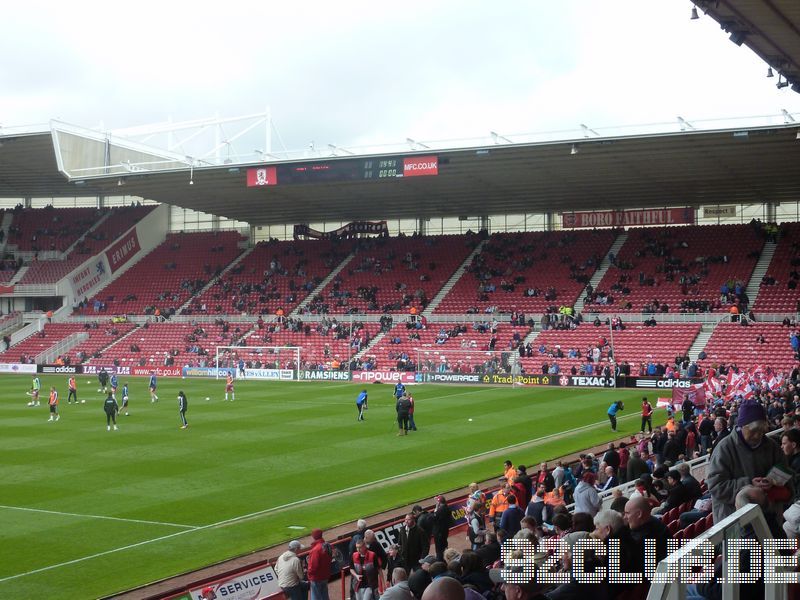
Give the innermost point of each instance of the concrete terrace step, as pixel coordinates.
(761, 268)
(598, 275)
(318, 290)
(453, 280)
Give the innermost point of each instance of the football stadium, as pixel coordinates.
(408, 372)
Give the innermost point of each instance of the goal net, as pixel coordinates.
(433, 359)
(258, 362)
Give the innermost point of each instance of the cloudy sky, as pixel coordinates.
(354, 73)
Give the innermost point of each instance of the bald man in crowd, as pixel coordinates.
(444, 588)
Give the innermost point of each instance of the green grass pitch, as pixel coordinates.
(85, 512)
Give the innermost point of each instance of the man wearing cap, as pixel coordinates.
(421, 578)
(289, 570)
(742, 458)
(518, 591)
(319, 566)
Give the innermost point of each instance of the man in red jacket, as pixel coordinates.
(319, 566)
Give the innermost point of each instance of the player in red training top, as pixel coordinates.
(647, 415)
(229, 387)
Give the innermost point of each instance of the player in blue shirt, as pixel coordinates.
(124, 399)
(612, 413)
(114, 385)
(399, 390)
(361, 404)
(153, 386)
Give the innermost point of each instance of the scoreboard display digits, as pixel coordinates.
(385, 167)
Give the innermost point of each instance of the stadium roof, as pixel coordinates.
(770, 28)
(690, 168)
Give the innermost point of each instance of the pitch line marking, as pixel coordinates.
(297, 502)
(69, 514)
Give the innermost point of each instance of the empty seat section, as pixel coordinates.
(179, 344)
(515, 271)
(636, 344)
(782, 295)
(274, 275)
(451, 347)
(43, 229)
(683, 268)
(394, 275)
(166, 278)
(732, 343)
(323, 344)
(104, 334)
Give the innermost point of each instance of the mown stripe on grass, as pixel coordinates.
(85, 516)
(275, 509)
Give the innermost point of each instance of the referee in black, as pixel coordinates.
(111, 407)
(403, 408)
(183, 404)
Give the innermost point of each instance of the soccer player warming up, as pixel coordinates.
(111, 408)
(73, 390)
(125, 398)
(612, 413)
(229, 387)
(361, 404)
(53, 402)
(153, 386)
(36, 387)
(183, 404)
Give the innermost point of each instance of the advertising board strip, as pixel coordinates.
(270, 374)
(325, 375)
(17, 368)
(251, 585)
(384, 376)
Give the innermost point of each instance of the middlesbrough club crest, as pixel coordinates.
(563, 380)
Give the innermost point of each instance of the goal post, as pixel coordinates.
(440, 359)
(257, 362)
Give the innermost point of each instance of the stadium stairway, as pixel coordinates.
(8, 217)
(372, 343)
(18, 275)
(214, 280)
(754, 285)
(453, 280)
(530, 337)
(706, 330)
(602, 269)
(94, 226)
(298, 310)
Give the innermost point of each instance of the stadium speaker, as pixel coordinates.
(738, 37)
(769, 72)
(695, 16)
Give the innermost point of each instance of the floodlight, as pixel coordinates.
(574, 149)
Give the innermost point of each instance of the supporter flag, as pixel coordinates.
(775, 382)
